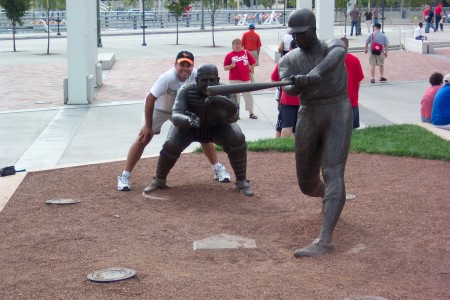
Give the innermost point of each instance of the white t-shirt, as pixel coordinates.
(287, 38)
(166, 87)
(417, 32)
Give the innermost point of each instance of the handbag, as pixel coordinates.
(376, 48)
(6, 171)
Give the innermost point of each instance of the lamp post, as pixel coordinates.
(284, 13)
(143, 23)
(382, 15)
(58, 20)
(202, 25)
(99, 36)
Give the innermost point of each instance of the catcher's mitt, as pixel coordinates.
(221, 106)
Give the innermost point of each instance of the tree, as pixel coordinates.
(267, 3)
(129, 3)
(50, 6)
(343, 4)
(213, 7)
(232, 4)
(15, 10)
(177, 8)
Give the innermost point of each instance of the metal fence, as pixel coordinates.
(128, 20)
(132, 20)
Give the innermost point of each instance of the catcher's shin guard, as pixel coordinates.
(238, 160)
(166, 162)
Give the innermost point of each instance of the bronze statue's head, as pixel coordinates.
(302, 26)
(207, 75)
(301, 20)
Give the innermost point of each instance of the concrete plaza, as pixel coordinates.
(38, 131)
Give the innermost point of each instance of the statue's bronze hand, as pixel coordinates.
(314, 78)
(193, 120)
(300, 81)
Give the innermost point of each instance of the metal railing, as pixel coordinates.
(128, 20)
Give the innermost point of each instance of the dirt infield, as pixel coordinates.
(392, 241)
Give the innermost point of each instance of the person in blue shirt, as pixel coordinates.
(440, 113)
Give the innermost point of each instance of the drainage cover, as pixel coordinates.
(111, 274)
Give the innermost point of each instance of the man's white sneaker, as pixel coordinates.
(123, 183)
(220, 173)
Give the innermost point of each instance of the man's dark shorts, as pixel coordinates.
(288, 115)
(355, 117)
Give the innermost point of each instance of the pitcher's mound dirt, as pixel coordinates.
(392, 241)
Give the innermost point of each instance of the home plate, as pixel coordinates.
(224, 241)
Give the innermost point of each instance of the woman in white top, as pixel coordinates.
(284, 45)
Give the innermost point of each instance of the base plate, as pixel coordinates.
(61, 201)
(350, 197)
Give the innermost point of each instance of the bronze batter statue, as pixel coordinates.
(199, 118)
(324, 124)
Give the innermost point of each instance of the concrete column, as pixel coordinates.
(325, 19)
(91, 16)
(81, 49)
(304, 4)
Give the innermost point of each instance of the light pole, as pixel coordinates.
(143, 23)
(382, 15)
(202, 25)
(99, 36)
(284, 13)
(58, 20)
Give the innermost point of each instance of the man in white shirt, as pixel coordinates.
(158, 109)
(418, 32)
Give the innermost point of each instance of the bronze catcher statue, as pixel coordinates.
(198, 117)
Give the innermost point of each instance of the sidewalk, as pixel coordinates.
(39, 132)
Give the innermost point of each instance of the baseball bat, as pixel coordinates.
(244, 87)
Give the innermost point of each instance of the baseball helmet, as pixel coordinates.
(301, 20)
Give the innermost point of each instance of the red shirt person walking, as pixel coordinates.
(251, 42)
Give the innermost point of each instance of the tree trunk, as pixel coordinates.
(14, 35)
(177, 29)
(48, 32)
(212, 31)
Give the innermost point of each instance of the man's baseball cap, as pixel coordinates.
(185, 56)
(447, 79)
(251, 26)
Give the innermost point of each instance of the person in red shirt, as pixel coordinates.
(241, 65)
(251, 42)
(354, 77)
(426, 104)
(425, 12)
(438, 16)
(288, 105)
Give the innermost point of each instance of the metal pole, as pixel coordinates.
(99, 35)
(143, 23)
(202, 25)
(345, 22)
(284, 13)
(382, 15)
(58, 20)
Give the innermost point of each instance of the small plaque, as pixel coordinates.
(111, 274)
(62, 201)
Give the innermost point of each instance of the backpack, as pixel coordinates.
(376, 48)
